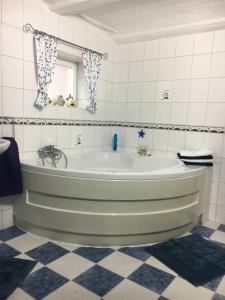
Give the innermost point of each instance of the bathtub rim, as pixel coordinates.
(177, 171)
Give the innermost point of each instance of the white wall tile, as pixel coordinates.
(137, 51)
(181, 90)
(50, 111)
(160, 140)
(152, 49)
(203, 42)
(221, 194)
(184, 45)
(50, 22)
(183, 67)
(88, 136)
(77, 113)
(167, 47)
(218, 65)
(219, 41)
(212, 212)
(7, 218)
(1, 105)
(150, 70)
(147, 113)
(134, 92)
(214, 193)
(123, 53)
(121, 92)
(63, 137)
(12, 102)
(148, 91)
(80, 36)
(178, 114)
(120, 111)
(12, 72)
(131, 139)
(214, 142)
(123, 72)
(220, 214)
(194, 140)
(12, 12)
(162, 112)
(66, 28)
(215, 114)
(222, 171)
(32, 138)
(166, 69)
(133, 112)
(12, 41)
(33, 13)
(99, 136)
(100, 113)
(217, 90)
(201, 66)
(92, 38)
(196, 114)
(28, 47)
(82, 92)
(176, 141)
(49, 135)
(29, 109)
(199, 90)
(136, 71)
(30, 81)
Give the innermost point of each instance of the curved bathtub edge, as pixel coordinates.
(97, 240)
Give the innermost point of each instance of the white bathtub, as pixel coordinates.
(110, 198)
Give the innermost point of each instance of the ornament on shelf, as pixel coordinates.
(70, 101)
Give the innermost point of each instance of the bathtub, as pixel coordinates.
(110, 198)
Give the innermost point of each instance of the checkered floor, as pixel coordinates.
(66, 271)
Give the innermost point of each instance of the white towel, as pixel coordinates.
(197, 160)
(202, 152)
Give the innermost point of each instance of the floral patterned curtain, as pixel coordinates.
(92, 67)
(46, 52)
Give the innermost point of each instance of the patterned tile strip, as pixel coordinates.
(64, 122)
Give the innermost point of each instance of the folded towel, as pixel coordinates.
(207, 164)
(10, 171)
(200, 161)
(195, 157)
(202, 152)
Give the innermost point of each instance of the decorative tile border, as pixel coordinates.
(64, 122)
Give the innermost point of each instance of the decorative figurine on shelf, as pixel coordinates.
(49, 101)
(141, 133)
(70, 101)
(58, 100)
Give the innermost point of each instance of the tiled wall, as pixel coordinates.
(18, 87)
(192, 68)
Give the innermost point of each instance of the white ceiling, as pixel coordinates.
(135, 18)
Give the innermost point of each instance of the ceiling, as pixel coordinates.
(129, 19)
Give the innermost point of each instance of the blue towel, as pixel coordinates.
(10, 171)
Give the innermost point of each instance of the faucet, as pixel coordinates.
(142, 150)
(53, 153)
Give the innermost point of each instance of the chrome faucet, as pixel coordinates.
(53, 153)
(142, 150)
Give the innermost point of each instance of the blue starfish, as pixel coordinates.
(141, 133)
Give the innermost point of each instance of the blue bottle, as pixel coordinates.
(115, 141)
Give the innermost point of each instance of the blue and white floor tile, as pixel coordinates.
(72, 272)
